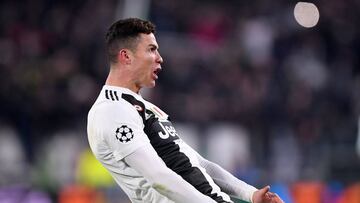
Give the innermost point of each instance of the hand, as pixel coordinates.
(265, 196)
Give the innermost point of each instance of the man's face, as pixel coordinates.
(146, 61)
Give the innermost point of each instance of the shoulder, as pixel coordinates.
(113, 110)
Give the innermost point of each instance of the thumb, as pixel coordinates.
(260, 195)
(264, 190)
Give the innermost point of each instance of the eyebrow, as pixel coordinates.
(153, 45)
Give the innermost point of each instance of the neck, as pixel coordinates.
(120, 78)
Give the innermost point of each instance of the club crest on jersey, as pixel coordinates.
(124, 134)
(138, 107)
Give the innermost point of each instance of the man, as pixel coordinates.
(136, 141)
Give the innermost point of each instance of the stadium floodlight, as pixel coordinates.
(306, 14)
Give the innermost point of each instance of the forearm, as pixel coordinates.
(165, 181)
(227, 182)
(177, 189)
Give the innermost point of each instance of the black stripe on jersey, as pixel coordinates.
(111, 95)
(116, 96)
(180, 164)
(107, 94)
(177, 161)
(131, 99)
(170, 153)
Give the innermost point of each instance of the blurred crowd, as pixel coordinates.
(271, 101)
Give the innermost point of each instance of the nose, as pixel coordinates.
(159, 59)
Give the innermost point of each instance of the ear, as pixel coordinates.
(124, 56)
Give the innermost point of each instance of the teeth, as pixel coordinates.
(157, 71)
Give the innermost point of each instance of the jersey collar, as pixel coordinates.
(122, 90)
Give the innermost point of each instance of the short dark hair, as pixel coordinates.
(124, 33)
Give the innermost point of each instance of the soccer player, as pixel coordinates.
(136, 141)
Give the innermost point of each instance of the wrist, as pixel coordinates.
(252, 197)
(249, 194)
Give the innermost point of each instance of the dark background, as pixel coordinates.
(291, 94)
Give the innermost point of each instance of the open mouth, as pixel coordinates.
(156, 72)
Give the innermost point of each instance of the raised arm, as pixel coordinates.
(235, 187)
(227, 182)
(146, 162)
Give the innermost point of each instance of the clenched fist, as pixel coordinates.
(265, 196)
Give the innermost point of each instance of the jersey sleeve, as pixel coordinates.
(225, 180)
(122, 129)
(146, 161)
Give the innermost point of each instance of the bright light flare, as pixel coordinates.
(306, 14)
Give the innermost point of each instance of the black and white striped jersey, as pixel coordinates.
(121, 121)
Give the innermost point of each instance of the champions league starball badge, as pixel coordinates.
(124, 134)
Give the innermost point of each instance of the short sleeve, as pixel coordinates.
(122, 129)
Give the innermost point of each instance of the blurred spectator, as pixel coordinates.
(229, 146)
(59, 158)
(22, 194)
(90, 172)
(190, 134)
(13, 168)
(286, 156)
